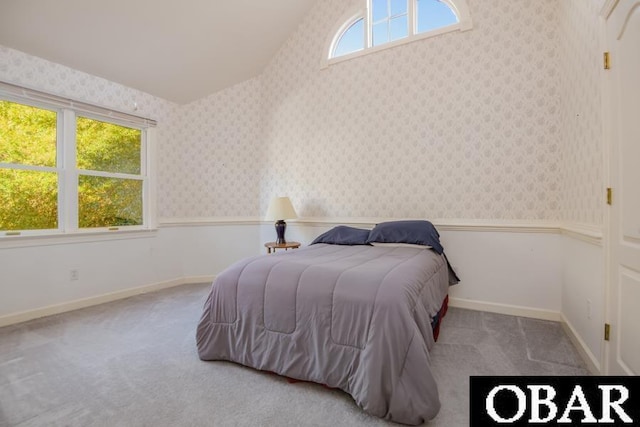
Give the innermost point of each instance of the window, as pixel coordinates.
(29, 171)
(433, 14)
(386, 23)
(351, 40)
(389, 21)
(109, 174)
(65, 169)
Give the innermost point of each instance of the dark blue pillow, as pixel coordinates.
(417, 232)
(343, 235)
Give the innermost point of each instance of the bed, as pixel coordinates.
(355, 310)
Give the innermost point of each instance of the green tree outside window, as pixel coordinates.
(30, 175)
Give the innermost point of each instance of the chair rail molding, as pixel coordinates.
(586, 232)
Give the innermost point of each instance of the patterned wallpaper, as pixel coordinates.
(497, 123)
(215, 166)
(463, 125)
(580, 109)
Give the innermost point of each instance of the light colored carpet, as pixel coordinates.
(134, 363)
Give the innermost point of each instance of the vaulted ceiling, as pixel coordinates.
(179, 50)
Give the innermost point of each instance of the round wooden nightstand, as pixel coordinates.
(272, 246)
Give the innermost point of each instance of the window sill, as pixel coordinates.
(460, 26)
(7, 242)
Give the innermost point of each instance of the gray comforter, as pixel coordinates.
(356, 318)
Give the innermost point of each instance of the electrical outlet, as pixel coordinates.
(588, 309)
(74, 275)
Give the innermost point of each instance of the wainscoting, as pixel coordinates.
(539, 270)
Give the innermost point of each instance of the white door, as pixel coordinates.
(623, 40)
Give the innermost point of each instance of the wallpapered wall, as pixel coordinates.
(215, 166)
(581, 111)
(501, 122)
(464, 125)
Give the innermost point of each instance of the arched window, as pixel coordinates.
(387, 23)
(351, 39)
(389, 20)
(433, 14)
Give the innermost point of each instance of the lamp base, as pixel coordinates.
(281, 226)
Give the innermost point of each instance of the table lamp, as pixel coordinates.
(280, 209)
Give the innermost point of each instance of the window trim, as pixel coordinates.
(50, 239)
(459, 7)
(370, 22)
(348, 19)
(68, 228)
(50, 101)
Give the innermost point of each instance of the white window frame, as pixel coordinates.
(387, 20)
(338, 33)
(68, 173)
(459, 7)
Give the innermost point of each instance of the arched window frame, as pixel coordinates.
(459, 8)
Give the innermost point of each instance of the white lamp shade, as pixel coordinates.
(280, 208)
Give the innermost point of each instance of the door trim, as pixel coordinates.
(607, 147)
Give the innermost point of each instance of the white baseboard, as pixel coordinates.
(11, 319)
(23, 316)
(593, 365)
(589, 358)
(512, 310)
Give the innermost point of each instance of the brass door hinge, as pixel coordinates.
(607, 61)
(609, 196)
(607, 331)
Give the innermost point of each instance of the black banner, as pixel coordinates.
(557, 401)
